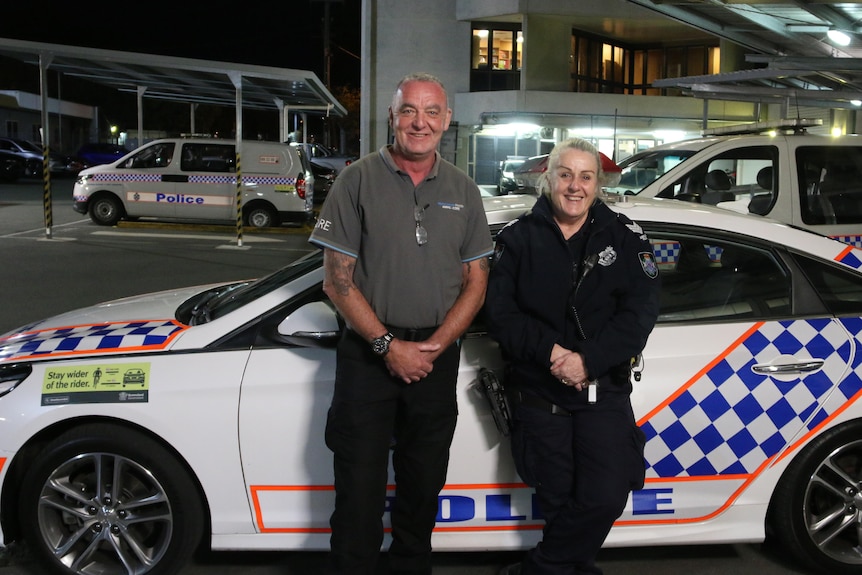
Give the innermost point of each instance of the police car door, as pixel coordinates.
(206, 188)
(735, 374)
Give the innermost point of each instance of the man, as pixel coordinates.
(405, 244)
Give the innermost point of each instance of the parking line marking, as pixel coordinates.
(183, 236)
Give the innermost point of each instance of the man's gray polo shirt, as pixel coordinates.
(369, 215)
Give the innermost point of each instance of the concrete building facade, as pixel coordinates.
(523, 74)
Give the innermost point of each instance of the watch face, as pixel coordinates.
(380, 345)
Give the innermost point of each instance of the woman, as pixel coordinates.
(572, 297)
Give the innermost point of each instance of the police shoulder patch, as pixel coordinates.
(498, 253)
(648, 264)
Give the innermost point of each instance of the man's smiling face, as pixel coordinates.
(419, 115)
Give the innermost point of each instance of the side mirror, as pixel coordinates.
(313, 325)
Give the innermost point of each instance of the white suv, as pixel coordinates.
(808, 181)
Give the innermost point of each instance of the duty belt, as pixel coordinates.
(537, 402)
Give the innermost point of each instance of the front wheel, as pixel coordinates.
(103, 499)
(816, 512)
(106, 210)
(10, 170)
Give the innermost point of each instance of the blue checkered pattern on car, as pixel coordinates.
(103, 337)
(729, 420)
(195, 179)
(668, 252)
(855, 241)
(113, 177)
(851, 257)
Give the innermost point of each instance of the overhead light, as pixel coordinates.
(856, 103)
(838, 37)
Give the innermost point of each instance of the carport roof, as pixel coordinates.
(183, 79)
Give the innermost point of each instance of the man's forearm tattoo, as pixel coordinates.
(341, 270)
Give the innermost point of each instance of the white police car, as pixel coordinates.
(748, 392)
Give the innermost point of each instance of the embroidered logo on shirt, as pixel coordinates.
(648, 264)
(607, 256)
(451, 206)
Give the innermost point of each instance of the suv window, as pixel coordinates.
(155, 156)
(705, 279)
(208, 158)
(830, 184)
(741, 175)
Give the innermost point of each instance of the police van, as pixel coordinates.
(195, 179)
(773, 169)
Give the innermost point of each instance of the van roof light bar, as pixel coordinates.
(797, 125)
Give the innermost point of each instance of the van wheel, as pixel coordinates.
(106, 210)
(261, 216)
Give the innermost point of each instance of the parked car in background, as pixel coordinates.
(507, 183)
(11, 166)
(748, 393)
(96, 153)
(63, 165)
(527, 175)
(30, 154)
(320, 155)
(323, 179)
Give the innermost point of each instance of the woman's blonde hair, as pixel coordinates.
(544, 186)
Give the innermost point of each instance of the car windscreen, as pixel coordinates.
(642, 169)
(221, 300)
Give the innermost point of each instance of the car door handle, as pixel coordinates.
(796, 367)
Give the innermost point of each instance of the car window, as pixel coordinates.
(740, 179)
(706, 279)
(839, 289)
(155, 156)
(830, 184)
(207, 158)
(642, 169)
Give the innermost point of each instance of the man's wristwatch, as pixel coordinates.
(380, 345)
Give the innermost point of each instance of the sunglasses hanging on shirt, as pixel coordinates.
(421, 232)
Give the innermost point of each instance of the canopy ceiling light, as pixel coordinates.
(838, 37)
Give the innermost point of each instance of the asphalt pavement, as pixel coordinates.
(76, 263)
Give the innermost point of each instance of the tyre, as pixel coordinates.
(816, 512)
(106, 210)
(261, 216)
(103, 499)
(10, 170)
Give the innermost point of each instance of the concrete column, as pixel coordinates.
(732, 57)
(546, 66)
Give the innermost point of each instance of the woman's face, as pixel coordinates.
(573, 185)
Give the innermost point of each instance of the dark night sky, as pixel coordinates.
(280, 33)
(285, 34)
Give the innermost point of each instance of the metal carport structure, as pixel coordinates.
(176, 79)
